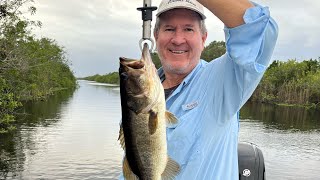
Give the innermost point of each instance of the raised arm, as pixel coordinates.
(230, 12)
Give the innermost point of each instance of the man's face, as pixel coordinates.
(180, 41)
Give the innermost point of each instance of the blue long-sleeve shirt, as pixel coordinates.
(206, 103)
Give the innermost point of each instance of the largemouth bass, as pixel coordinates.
(144, 118)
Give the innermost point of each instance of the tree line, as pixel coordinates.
(291, 83)
(285, 82)
(31, 68)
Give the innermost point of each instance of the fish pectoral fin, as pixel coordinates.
(171, 118)
(127, 172)
(153, 122)
(121, 138)
(172, 169)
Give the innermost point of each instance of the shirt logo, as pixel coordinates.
(190, 105)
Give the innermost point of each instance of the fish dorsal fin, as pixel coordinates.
(121, 138)
(172, 169)
(170, 118)
(127, 172)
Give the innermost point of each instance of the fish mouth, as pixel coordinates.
(131, 63)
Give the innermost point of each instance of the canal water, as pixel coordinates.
(74, 135)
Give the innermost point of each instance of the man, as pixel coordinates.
(206, 97)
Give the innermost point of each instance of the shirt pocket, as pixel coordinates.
(183, 139)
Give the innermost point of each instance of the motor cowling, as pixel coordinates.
(250, 162)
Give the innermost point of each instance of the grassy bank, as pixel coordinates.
(291, 83)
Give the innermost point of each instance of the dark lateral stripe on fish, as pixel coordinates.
(126, 130)
(131, 149)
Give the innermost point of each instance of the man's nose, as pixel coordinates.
(178, 38)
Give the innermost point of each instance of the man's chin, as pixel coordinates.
(179, 70)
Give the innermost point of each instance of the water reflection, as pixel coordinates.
(288, 137)
(283, 118)
(68, 137)
(13, 147)
(74, 136)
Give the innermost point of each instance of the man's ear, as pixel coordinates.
(204, 38)
(155, 35)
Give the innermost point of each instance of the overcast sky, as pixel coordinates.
(95, 33)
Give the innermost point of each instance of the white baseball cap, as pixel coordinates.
(193, 5)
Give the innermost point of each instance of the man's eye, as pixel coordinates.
(189, 29)
(169, 29)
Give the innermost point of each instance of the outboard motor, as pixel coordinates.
(251, 162)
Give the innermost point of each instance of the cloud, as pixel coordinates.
(96, 33)
(298, 28)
